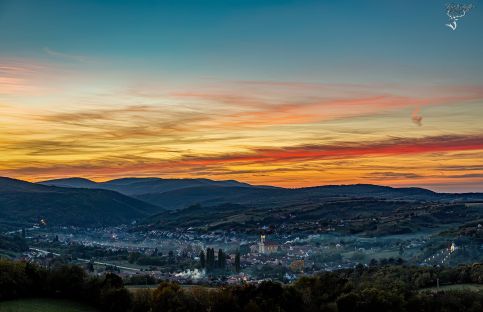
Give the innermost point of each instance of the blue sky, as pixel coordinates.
(294, 39)
(289, 93)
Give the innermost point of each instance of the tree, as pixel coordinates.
(142, 300)
(90, 266)
(252, 306)
(170, 297)
(348, 302)
(112, 280)
(171, 259)
(116, 299)
(67, 280)
(221, 259)
(202, 260)
(133, 257)
(237, 262)
(210, 259)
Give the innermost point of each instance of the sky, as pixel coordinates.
(286, 93)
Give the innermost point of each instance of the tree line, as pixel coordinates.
(23, 279)
(211, 264)
(381, 288)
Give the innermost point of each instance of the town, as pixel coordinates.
(220, 257)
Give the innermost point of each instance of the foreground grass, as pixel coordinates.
(44, 305)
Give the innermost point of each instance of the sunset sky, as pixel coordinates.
(286, 93)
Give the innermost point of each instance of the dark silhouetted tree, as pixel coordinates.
(171, 259)
(221, 259)
(237, 262)
(202, 260)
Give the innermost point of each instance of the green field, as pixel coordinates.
(5, 254)
(134, 288)
(466, 287)
(43, 305)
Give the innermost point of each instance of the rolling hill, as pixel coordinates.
(270, 197)
(203, 203)
(29, 202)
(139, 186)
(369, 209)
(174, 194)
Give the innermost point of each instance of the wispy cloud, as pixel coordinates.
(22, 77)
(248, 107)
(388, 147)
(284, 133)
(267, 158)
(384, 175)
(67, 56)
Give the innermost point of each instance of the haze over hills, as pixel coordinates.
(29, 202)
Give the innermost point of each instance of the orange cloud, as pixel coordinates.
(286, 157)
(389, 147)
(290, 133)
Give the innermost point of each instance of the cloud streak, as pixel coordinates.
(267, 157)
(66, 56)
(264, 132)
(341, 150)
(19, 77)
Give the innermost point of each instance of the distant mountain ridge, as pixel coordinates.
(70, 182)
(139, 186)
(78, 201)
(269, 197)
(371, 210)
(182, 193)
(29, 202)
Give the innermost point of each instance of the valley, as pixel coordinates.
(115, 228)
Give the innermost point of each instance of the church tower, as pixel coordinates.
(261, 244)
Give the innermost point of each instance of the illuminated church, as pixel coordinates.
(265, 247)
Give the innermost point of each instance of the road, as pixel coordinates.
(87, 261)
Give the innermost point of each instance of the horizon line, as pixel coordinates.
(254, 185)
